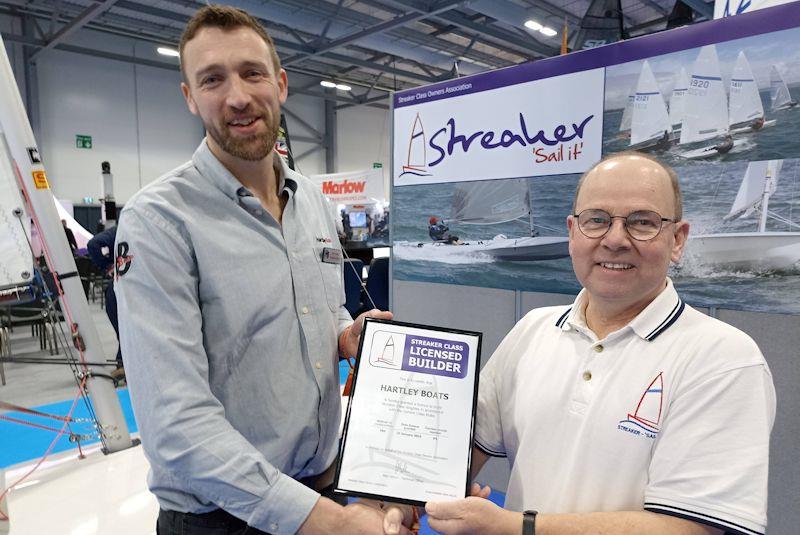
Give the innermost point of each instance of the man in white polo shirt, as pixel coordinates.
(628, 411)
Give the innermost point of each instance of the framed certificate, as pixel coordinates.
(411, 415)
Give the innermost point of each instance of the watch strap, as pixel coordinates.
(529, 522)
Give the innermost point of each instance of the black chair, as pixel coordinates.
(352, 285)
(378, 284)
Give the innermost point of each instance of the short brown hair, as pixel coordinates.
(226, 18)
(673, 178)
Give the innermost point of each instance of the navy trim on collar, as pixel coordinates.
(563, 318)
(673, 316)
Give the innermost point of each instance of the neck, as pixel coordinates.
(605, 317)
(258, 176)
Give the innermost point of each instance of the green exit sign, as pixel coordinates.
(83, 142)
(377, 165)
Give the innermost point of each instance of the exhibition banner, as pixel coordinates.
(352, 187)
(717, 101)
(456, 133)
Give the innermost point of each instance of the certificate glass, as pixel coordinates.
(409, 422)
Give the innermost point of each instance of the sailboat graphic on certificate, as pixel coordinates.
(387, 354)
(647, 415)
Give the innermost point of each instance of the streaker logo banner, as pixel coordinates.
(352, 187)
(435, 356)
(549, 126)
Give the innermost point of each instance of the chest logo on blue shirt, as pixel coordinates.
(646, 418)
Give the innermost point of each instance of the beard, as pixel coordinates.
(251, 148)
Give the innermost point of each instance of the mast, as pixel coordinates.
(762, 223)
(16, 131)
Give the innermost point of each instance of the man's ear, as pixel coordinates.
(681, 235)
(187, 95)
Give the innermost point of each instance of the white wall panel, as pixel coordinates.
(168, 133)
(92, 96)
(363, 138)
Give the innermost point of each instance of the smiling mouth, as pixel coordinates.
(616, 266)
(245, 121)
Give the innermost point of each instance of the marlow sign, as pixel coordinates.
(352, 187)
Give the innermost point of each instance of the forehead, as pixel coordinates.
(625, 184)
(212, 45)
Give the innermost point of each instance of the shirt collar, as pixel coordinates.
(210, 167)
(656, 318)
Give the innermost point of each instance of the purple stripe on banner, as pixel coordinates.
(773, 19)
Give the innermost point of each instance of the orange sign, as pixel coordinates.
(40, 180)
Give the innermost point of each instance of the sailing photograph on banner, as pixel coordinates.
(733, 100)
(743, 250)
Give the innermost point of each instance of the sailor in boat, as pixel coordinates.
(232, 311)
(725, 146)
(440, 233)
(758, 124)
(625, 411)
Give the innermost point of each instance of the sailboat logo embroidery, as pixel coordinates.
(417, 162)
(646, 419)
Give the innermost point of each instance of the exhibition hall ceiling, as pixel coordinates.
(373, 46)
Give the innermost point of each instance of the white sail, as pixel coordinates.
(625, 123)
(16, 260)
(650, 118)
(746, 103)
(760, 178)
(778, 91)
(706, 112)
(491, 201)
(677, 102)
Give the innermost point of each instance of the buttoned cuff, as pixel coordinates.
(285, 507)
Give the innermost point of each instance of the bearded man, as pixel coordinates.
(232, 310)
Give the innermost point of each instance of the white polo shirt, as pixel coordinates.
(671, 414)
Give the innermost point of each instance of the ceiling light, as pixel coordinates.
(549, 32)
(533, 25)
(343, 87)
(326, 83)
(165, 51)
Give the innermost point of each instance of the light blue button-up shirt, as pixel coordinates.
(229, 324)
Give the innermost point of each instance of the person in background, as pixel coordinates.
(101, 252)
(627, 412)
(73, 244)
(232, 317)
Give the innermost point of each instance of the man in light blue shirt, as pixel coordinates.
(231, 310)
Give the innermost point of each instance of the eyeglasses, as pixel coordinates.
(642, 225)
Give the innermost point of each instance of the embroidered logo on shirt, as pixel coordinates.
(323, 240)
(646, 419)
(123, 262)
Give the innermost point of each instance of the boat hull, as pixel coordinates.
(529, 249)
(750, 251)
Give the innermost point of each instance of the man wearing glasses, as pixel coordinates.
(628, 411)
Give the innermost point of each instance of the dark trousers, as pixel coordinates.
(216, 522)
(111, 312)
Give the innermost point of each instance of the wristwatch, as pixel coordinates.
(529, 522)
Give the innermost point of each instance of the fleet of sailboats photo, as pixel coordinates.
(701, 120)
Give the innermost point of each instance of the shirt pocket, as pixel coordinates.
(331, 275)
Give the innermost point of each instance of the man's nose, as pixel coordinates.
(617, 235)
(238, 97)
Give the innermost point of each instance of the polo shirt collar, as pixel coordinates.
(211, 168)
(656, 318)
